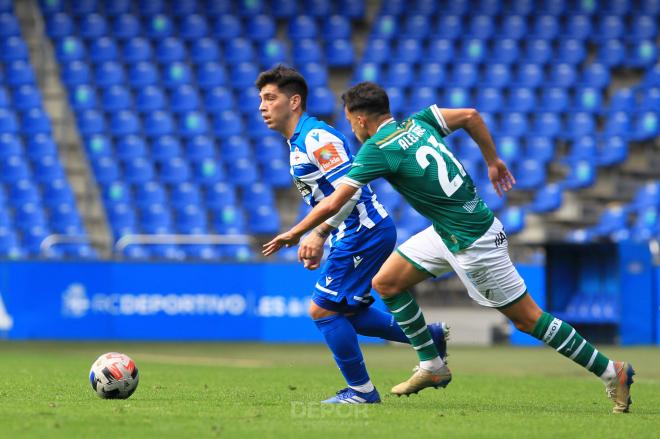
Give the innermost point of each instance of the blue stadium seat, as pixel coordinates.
(14, 168)
(646, 125)
(243, 75)
(505, 51)
(529, 75)
(582, 148)
(610, 27)
(227, 27)
(176, 73)
(47, 168)
(184, 194)
(229, 220)
(647, 196)
(125, 122)
(273, 52)
(611, 220)
(98, 145)
(92, 26)
(185, 8)
(399, 74)
(142, 74)
(116, 192)
(367, 72)
(377, 51)
(545, 27)
(588, 99)
(420, 98)
(26, 97)
(306, 51)
(156, 218)
(105, 170)
(83, 97)
(513, 219)
(204, 50)
(129, 147)
(337, 27)
(117, 7)
(126, 26)
(302, 27)
(623, 99)
(415, 26)
(264, 220)
(137, 49)
(183, 98)
(642, 53)
(317, 8)
(65, 219)
(211, 74)
(193, 123)
(109, 73)
(464, 74)
(497, 75)
(547, 199)
(30, 215)
(580, 124)
(58, 25)
(242, 172)
(261, 27)
(227, 123)
(646, 224)
(481, 27)
(582, 173)
(490, 197)
(200, 148)
(431, 74)
(170, 50)
(165, 147)
(538, 51)
(9, 244)
(611, 53)
(513, 27)
(32, 239)
(440, 51)
(75, 73)
(135, 252)
(321, 101)
(151, 192)
(562, 75)
(10, 145)
(35, 121)
(617, 124)
(257, 194)
(158, 123)
(315, 74)
(384, 27)
(8, 121)
(103, 49)
(219, 195)
(457, 97)
(596, 75)
(522, 99)
(340, 53)
(19, 72)
(138, 170)
(83, 7)
(614, 150)
(116, 98)
(174, 170)
(193, 27)
(159, 26)
(201, 251)
(14, 49)
(23, 191)
(642, 27)
(67, 49)
(284, 8)
(218, 99)
(508, 145)
(208, 171)
(578, 27)
(257, 129)
(571, 51)
(473, 51)
(547, 124)
(149, 98)
(90, 122)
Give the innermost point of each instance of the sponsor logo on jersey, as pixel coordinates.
(500, 239)
(297, 157)
(328, 157)
(304, 189)
(356, 261)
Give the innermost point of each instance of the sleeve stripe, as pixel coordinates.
(441, 119)
(343, 167)
(349, 181)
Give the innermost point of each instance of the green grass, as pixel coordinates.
(256, 391)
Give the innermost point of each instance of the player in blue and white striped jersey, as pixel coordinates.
(362, 234)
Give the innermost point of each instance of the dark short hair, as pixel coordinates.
(287, 79)
(367, 97)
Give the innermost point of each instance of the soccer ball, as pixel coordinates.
(114, 376)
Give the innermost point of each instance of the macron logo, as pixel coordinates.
(356, 261)
(328, 279)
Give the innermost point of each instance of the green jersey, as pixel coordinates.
(413, 157)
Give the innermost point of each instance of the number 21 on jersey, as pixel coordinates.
(436, 150)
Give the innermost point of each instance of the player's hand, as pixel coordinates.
(283, 240)
(310, 251)
(501, 177)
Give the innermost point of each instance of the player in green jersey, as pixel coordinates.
(464, 237)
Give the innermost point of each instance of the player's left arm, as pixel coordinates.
(328, 207)
(471, 121)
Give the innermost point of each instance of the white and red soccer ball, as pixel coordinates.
(114, 376)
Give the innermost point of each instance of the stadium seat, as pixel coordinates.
(473, 51)
(610, 27)
(149, 193)
(19, 72)
(340, 53)
(165, 147)
(596, 75)
(415, 26)
(227, 27)
(642, 53)
(109, 73)
(204, 50)
(211, 74)
(170, 50)
(103, 49)
(116, 98)
(547, 199)
(192, 27)
(229, 220)
(142, 74)
(614, 150)
(431, 74)
(116, 192)
(545, 27)
(23, 191)
(571, 51)
(513, 219)
(92, 26)
(261, 27)
(219, 195)
(41, 144)
(611, 53)
(243, 75)
(138, 170)
(547, 124)
(497, 75)
(35, 121)
(490, 197)
(58, 25)
(10, 145)
(522, 99)
(208, 171)
(238, 50)
(587, 99)
(440, 51)
(176, 74)
(159, 26)
(200, 148)
(528, 75)
(646, 125)
(126, 26)
(302, 27)
(579, 124)
(14, 48)
(26, 97)
(464, 74)
(129, 147)
(218, 99)
(582, 173)
(75, 73)
(505, 51)
(47, 168)
(538, 51)
(337, 27)
(125, 122)
(385, 27)
(183, 98)
(273, 52)
(578, 26)
(14, 168)
(264, 220)
(184, 194)
(513, 27)
(242, 172)
(617, 124)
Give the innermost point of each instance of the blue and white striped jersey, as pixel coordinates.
(319, 158)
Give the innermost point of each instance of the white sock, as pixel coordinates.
(364, 388)
(609, 373)
(432, 365)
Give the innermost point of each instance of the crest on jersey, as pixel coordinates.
(328, 157)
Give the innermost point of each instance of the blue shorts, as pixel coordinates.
(345, 282)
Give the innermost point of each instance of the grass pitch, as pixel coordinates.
(257, 391)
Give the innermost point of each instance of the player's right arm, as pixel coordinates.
(447, 120)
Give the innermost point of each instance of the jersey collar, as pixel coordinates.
(385, 122)
(299, 125)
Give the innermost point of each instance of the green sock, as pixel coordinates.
(409, 316)
(566, 340)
